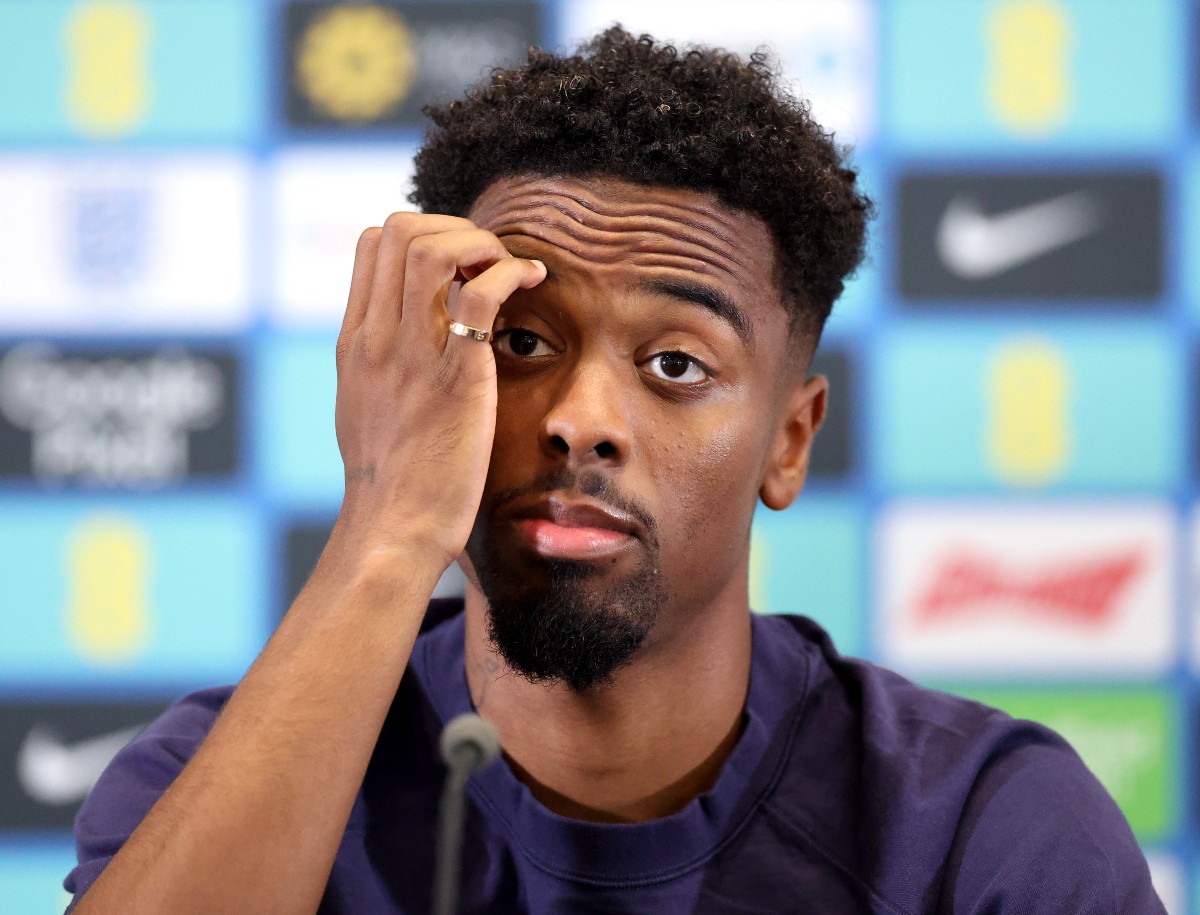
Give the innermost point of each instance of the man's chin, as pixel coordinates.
(570, 628)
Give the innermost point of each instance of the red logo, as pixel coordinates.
(1084, 592)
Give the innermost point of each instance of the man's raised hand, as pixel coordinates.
(416, 404)
(254, 821)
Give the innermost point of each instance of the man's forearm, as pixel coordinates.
(254, 821)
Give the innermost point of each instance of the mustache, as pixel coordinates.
(592, 484)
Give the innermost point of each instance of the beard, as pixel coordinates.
(567, 622)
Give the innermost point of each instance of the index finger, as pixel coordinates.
(399, 231)
(434, 262)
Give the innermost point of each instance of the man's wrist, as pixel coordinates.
(392, 559)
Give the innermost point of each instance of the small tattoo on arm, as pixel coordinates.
(362, 475)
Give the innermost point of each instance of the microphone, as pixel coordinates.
(468, 743)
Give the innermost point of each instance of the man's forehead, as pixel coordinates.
(606, 220)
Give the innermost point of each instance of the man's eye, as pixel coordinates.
(521, 343)
(677, 367)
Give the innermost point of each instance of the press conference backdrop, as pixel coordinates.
(1003, 501)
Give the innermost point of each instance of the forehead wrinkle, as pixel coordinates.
(609, 254)
(654, 212)
(633, 234)
(579, 192)
(705, 217)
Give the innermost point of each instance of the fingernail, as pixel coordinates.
(540, 264)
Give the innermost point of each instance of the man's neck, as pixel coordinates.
(637, 749)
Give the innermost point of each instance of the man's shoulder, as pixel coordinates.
(893, 714)
(191, 716)
(888, 714)
(910, 746)
(918, 792)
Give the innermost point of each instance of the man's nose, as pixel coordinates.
(587, 420)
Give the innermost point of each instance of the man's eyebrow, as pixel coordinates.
(708, 297)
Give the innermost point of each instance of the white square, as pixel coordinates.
(321, 202)
(1045, 590)
(117, 243)
(826, 47)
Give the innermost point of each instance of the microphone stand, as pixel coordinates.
(468, 744)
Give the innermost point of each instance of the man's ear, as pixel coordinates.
(787, 460)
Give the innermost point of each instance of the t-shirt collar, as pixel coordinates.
(636, 853)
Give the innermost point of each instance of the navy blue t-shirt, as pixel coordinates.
(850, 790)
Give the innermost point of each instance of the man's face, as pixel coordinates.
(639, 396)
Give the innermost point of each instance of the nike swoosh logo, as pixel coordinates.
(53, 772)
(976, 246)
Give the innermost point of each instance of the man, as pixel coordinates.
(655, 239)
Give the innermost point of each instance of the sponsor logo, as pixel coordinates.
(108, 91)
(1126, 736)
(166, 593)
(1029, 80)
(52, 772)
(1086, 593)
(118, 417)
(1011, 590)
(115, 244)
(121, 69)
(975, 245)
(980, 408)
(355, 63)
(376, 64)
(1029, 408)
(108, 564)
(111, 235)
(52, 753)
(1044, 236)
(1033, 74)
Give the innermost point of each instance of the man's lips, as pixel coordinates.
(558, 529)
(560, 541)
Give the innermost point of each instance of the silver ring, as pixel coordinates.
(471, 333)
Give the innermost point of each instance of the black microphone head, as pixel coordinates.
(471, 741)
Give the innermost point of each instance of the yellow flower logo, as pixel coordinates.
(356, 63)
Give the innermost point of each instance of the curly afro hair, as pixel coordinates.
(699, 118)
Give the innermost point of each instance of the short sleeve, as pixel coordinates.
(135, 780)
(1041, 836)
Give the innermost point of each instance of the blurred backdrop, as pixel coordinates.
(1003, 500)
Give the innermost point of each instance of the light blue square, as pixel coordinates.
(982, 75)
(167, 592)
(1090, 407)
(811, 559)
(299, 461)
(31, 877)
(133, 69)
